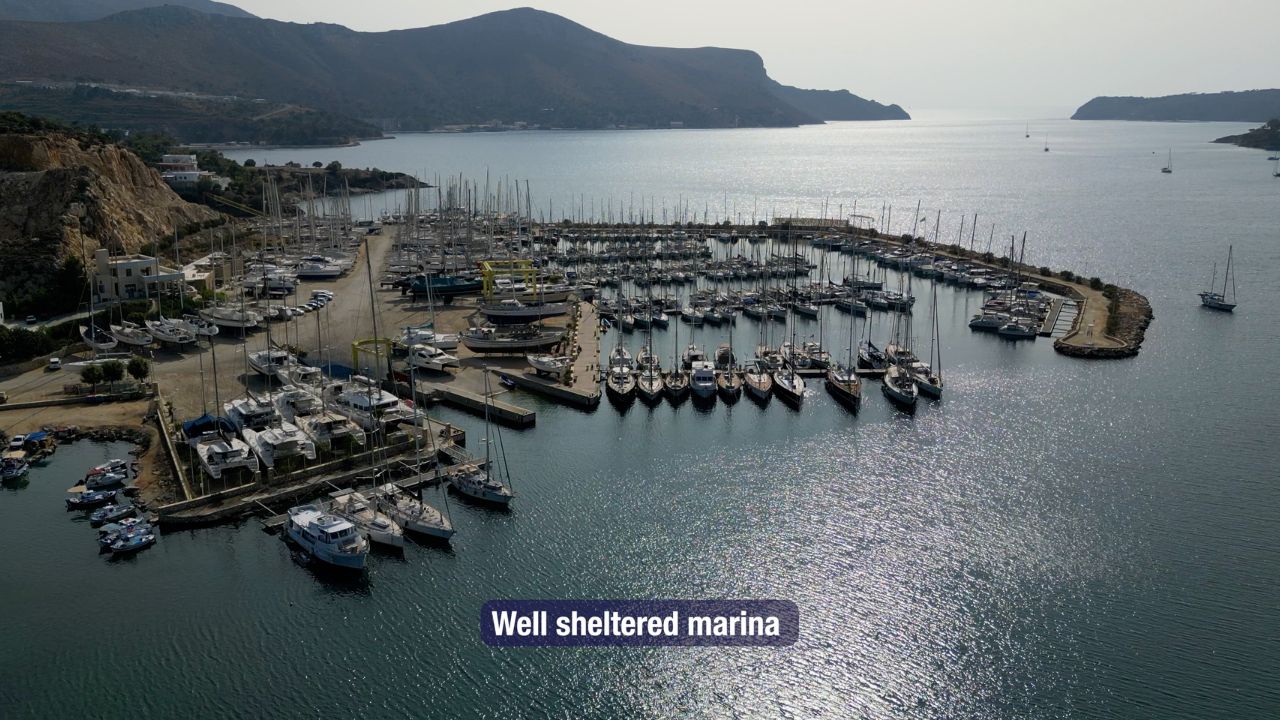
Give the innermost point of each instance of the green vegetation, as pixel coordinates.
(112, 371)
(63, 292)
(92, 375)
(1266, 137)
(138, 368)
(1246, 106)
(144, 121)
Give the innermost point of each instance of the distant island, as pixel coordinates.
(522, 69)
(1266, 137)
(1245, 106)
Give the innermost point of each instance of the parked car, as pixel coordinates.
(17, 441)
(32, 320)
(54, 364)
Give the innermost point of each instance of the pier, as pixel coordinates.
(474, 402)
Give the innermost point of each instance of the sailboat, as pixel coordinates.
(676, 382)
(928, 375)
(94, 336)
(787, 383)
(1046, 143)
(483, 483)
(414, 514)
(1168, 169)
(1215, 300)
(843, 382)
(1028, 130)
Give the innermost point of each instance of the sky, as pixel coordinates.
(1007, 58)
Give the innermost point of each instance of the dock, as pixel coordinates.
(1051, 318)
(547, 387)
(451, 394)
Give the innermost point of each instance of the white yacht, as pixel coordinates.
(270, 362)
(381, 529)
(197, 326)
(295, 402)
(250, 412)
(219, 454)
(230, 317)
(317, 267)
(326, 537)
(413, 514)
(429, 357)
(472, 481)
(328, 428)
(424, 335)
(551, 364)
(166, 330)
(278, 442)
(131, 334)
(302, 376)
(702, 379)
(362, 400)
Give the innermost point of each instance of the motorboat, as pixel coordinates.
(131, 334)
(13, 468)
(691, 355)
(279, 441)
(412, 514)
(476, 482)
(294, 402)
(424, 335)
(250, 413)
(270, 362)
(133, 543)
(1018, 329)
(331, 539)
(362, 399)
(702, 379)
(317, 267)
(429, 357)
(989, 321)
(329, 429)
(219, 454)
(102, 481)
(379, 527)
(111, 513)
(90, 499)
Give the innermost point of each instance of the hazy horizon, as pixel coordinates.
(998, 57)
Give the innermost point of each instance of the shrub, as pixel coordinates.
(138, 368)
(1095, 283)
(113, 371)
(91, 374)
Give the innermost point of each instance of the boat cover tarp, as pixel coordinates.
(207, 423)
(37, 436)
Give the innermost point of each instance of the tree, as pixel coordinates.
(112, 372)
(334, 167)
(138, 368)
(250, 162)
(92, 374)
(317, 164)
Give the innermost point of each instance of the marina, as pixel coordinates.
(1061, 482)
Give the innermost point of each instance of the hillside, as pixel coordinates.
(1266, 137)
(81, 10)
(1246, 106)
(516, 66)
(187, 118)
(63, 193)
(837, 104)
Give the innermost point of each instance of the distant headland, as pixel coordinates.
(1244, 106)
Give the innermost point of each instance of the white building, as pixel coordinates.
(129, 277)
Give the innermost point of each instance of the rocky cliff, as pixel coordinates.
(63, 196)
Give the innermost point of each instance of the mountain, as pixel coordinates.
(81, 10)
(514, 67)
(1246, 106)
(837, 104)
